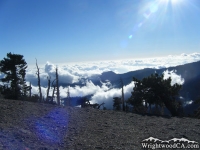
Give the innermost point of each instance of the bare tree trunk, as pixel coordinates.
(162, 110)
(54, 87)
(123, 105)
(150, 111)
(49, 84)
(57, 87)
(53, 94)
(68, 103)
(157, 110)
(98, 107)
(30, 90)
(38, 74)
(146, 104)
(23, 83)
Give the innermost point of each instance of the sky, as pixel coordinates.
(68, 31)
(85, 38)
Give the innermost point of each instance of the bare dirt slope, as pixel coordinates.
(32, 126)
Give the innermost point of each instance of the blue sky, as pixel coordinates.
(89, 30)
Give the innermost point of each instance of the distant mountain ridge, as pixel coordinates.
(190, 72)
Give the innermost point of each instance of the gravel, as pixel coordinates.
(38, 126)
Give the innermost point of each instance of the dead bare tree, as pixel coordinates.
(101, 105)
(38, 74)
(122, 84)
(54, 87)
(57, 87)
(30, 87)
(48, 88)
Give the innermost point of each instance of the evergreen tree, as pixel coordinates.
(117, 102)
(14, 68)
(155, 90)
(83, 101)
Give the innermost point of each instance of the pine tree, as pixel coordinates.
(117, 103)
(155, 90)
(14, 68)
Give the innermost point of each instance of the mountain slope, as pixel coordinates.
(27, 126)
(189, 72)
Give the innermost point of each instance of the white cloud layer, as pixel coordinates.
(72, 73)
(105, 92)
(107, 96)
(100, 94)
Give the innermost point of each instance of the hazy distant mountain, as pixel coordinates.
(187, 71)
(190, 72)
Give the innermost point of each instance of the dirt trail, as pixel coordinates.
(32, 126)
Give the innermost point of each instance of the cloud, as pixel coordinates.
(107, 96)
(49, 70)
(88, 89)
(75, 72)
(123, 66)
(193, 55)
(189, 102)
(64, 75)
(100, 94)
(105, 92)
(185, 101)
(175, 78)
(35, 90)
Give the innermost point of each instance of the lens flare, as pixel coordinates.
(156, 14)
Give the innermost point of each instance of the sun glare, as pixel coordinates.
(172, 1)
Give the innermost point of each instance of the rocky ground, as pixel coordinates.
(36, 126)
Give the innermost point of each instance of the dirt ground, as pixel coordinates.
(38, 126)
